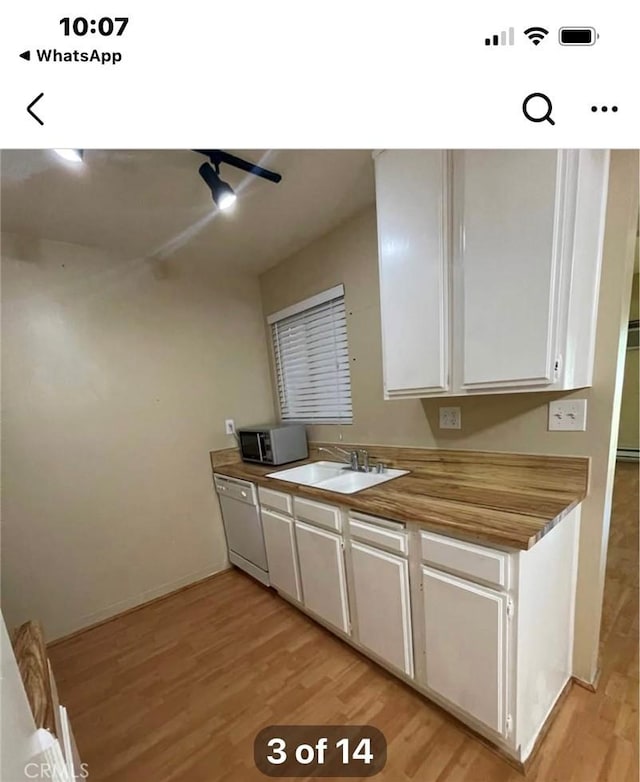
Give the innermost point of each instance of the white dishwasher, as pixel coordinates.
(243, 526)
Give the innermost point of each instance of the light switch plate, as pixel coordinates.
(450, 418)
(568, 415)
(229, 426)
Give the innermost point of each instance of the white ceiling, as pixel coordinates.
(153, 203)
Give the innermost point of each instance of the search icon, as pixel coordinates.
(537, 107)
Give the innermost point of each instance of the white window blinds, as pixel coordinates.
(312, 360)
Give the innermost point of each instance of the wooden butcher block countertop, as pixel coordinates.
(31, 656)
(509, 500)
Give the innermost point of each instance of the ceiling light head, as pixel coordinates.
(226, 197)
(221, 192)
(70, 155)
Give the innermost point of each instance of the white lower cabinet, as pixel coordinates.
(466, 646)
(322, 572)
(491, 628)
(383, 605)
(280, 542)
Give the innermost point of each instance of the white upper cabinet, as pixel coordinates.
(521, 218)
(509, 225)
(413, 215)
(524, 260)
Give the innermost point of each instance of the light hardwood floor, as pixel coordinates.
(178, 690)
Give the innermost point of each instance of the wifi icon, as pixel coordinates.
(536, 34)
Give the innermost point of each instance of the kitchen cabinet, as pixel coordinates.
(485, 631)
(529, 229)
(466, 646)
(279, 539)
(413, 217)
(509, 302)
(322, 573)
(381, 593)
(510, 259)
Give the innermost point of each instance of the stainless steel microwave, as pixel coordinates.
(273, 443)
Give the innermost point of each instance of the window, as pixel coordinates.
(312, 360)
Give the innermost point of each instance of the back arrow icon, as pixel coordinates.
(31, 105)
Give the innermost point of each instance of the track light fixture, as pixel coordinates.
(222, 192)
(70, 155)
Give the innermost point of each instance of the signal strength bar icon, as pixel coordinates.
(505, 38)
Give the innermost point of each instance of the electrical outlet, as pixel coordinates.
(450, 418)
(230, 426)
(568, 415)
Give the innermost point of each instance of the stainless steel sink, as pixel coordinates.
(335, 476)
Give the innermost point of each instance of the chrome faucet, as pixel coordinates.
(358, 460)
(352, 456)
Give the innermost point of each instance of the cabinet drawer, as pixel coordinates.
(275, 500)
(466, 559)
(384, 537)
(317, 513)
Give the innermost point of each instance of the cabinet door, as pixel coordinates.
(509, 212)
(280, 542)
(412, 200)
(466, 646)
(322, 573)
(381, 584)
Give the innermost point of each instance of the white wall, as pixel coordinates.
(116, 379)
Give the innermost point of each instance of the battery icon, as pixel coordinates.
(577, 36)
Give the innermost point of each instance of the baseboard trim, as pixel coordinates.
(590, 686)
(628, 454)
(133, 609)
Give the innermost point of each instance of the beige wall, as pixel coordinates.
(116, 379)
(515, 422)
(629, 436)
